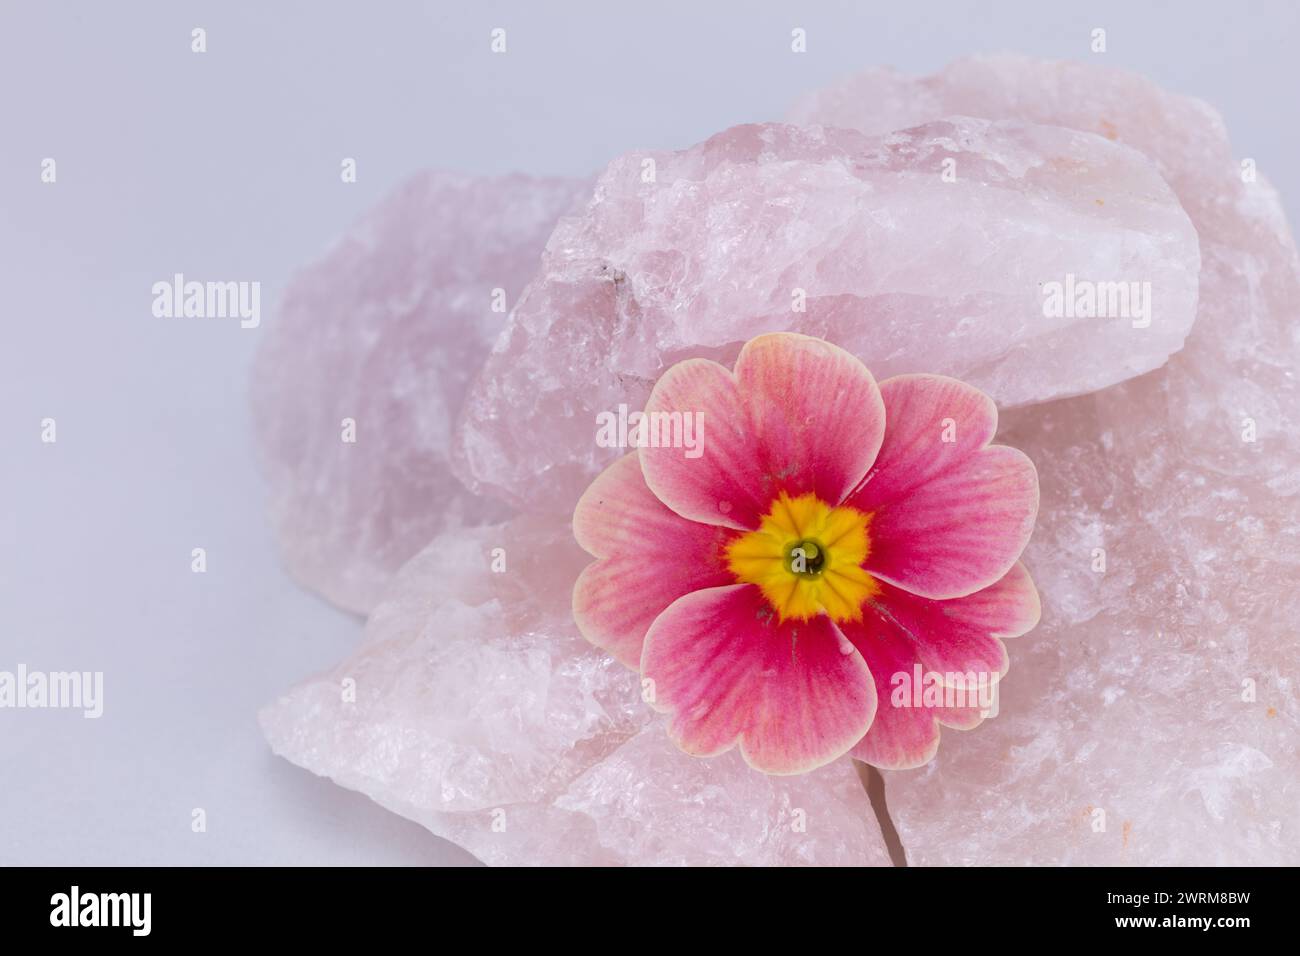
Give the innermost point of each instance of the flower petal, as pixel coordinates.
(1008, 608)
(905, 733)
(961, 635)
(903, 738)
(910, 641)
(650, 557)
(795, 695)
(799, 415)
(723, 484)
(950, 513)
(816, 411)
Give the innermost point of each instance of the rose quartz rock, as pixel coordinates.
(387, 330)
(1162, 691)
(854, 238)
(1152, 717)
(478, 711)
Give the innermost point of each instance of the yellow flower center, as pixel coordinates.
(806, 557)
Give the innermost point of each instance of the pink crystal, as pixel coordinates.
(387, 330)
(907, 270)
(1129, 698)
(482, 714)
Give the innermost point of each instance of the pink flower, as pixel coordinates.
(830, 540)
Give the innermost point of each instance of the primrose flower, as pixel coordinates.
(831, 541)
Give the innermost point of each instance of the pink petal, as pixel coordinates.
(962, 634)
(949, 517)
(1008, 608)
(799, 415)
(724, 485)
(795, 695)
(902, 736)
(649, 558)
(956, 637)
(816, 411)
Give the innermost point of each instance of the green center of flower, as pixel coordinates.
(805, 558)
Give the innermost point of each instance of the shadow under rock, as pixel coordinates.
(350, 829)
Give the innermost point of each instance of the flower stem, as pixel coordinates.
(874, 783)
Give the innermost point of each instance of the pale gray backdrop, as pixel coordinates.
(227, 164)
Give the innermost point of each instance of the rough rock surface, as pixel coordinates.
(478, 711)
(387, 330)
(1133, 697)
(858, 239)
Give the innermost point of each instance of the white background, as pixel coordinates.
(226, 165)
